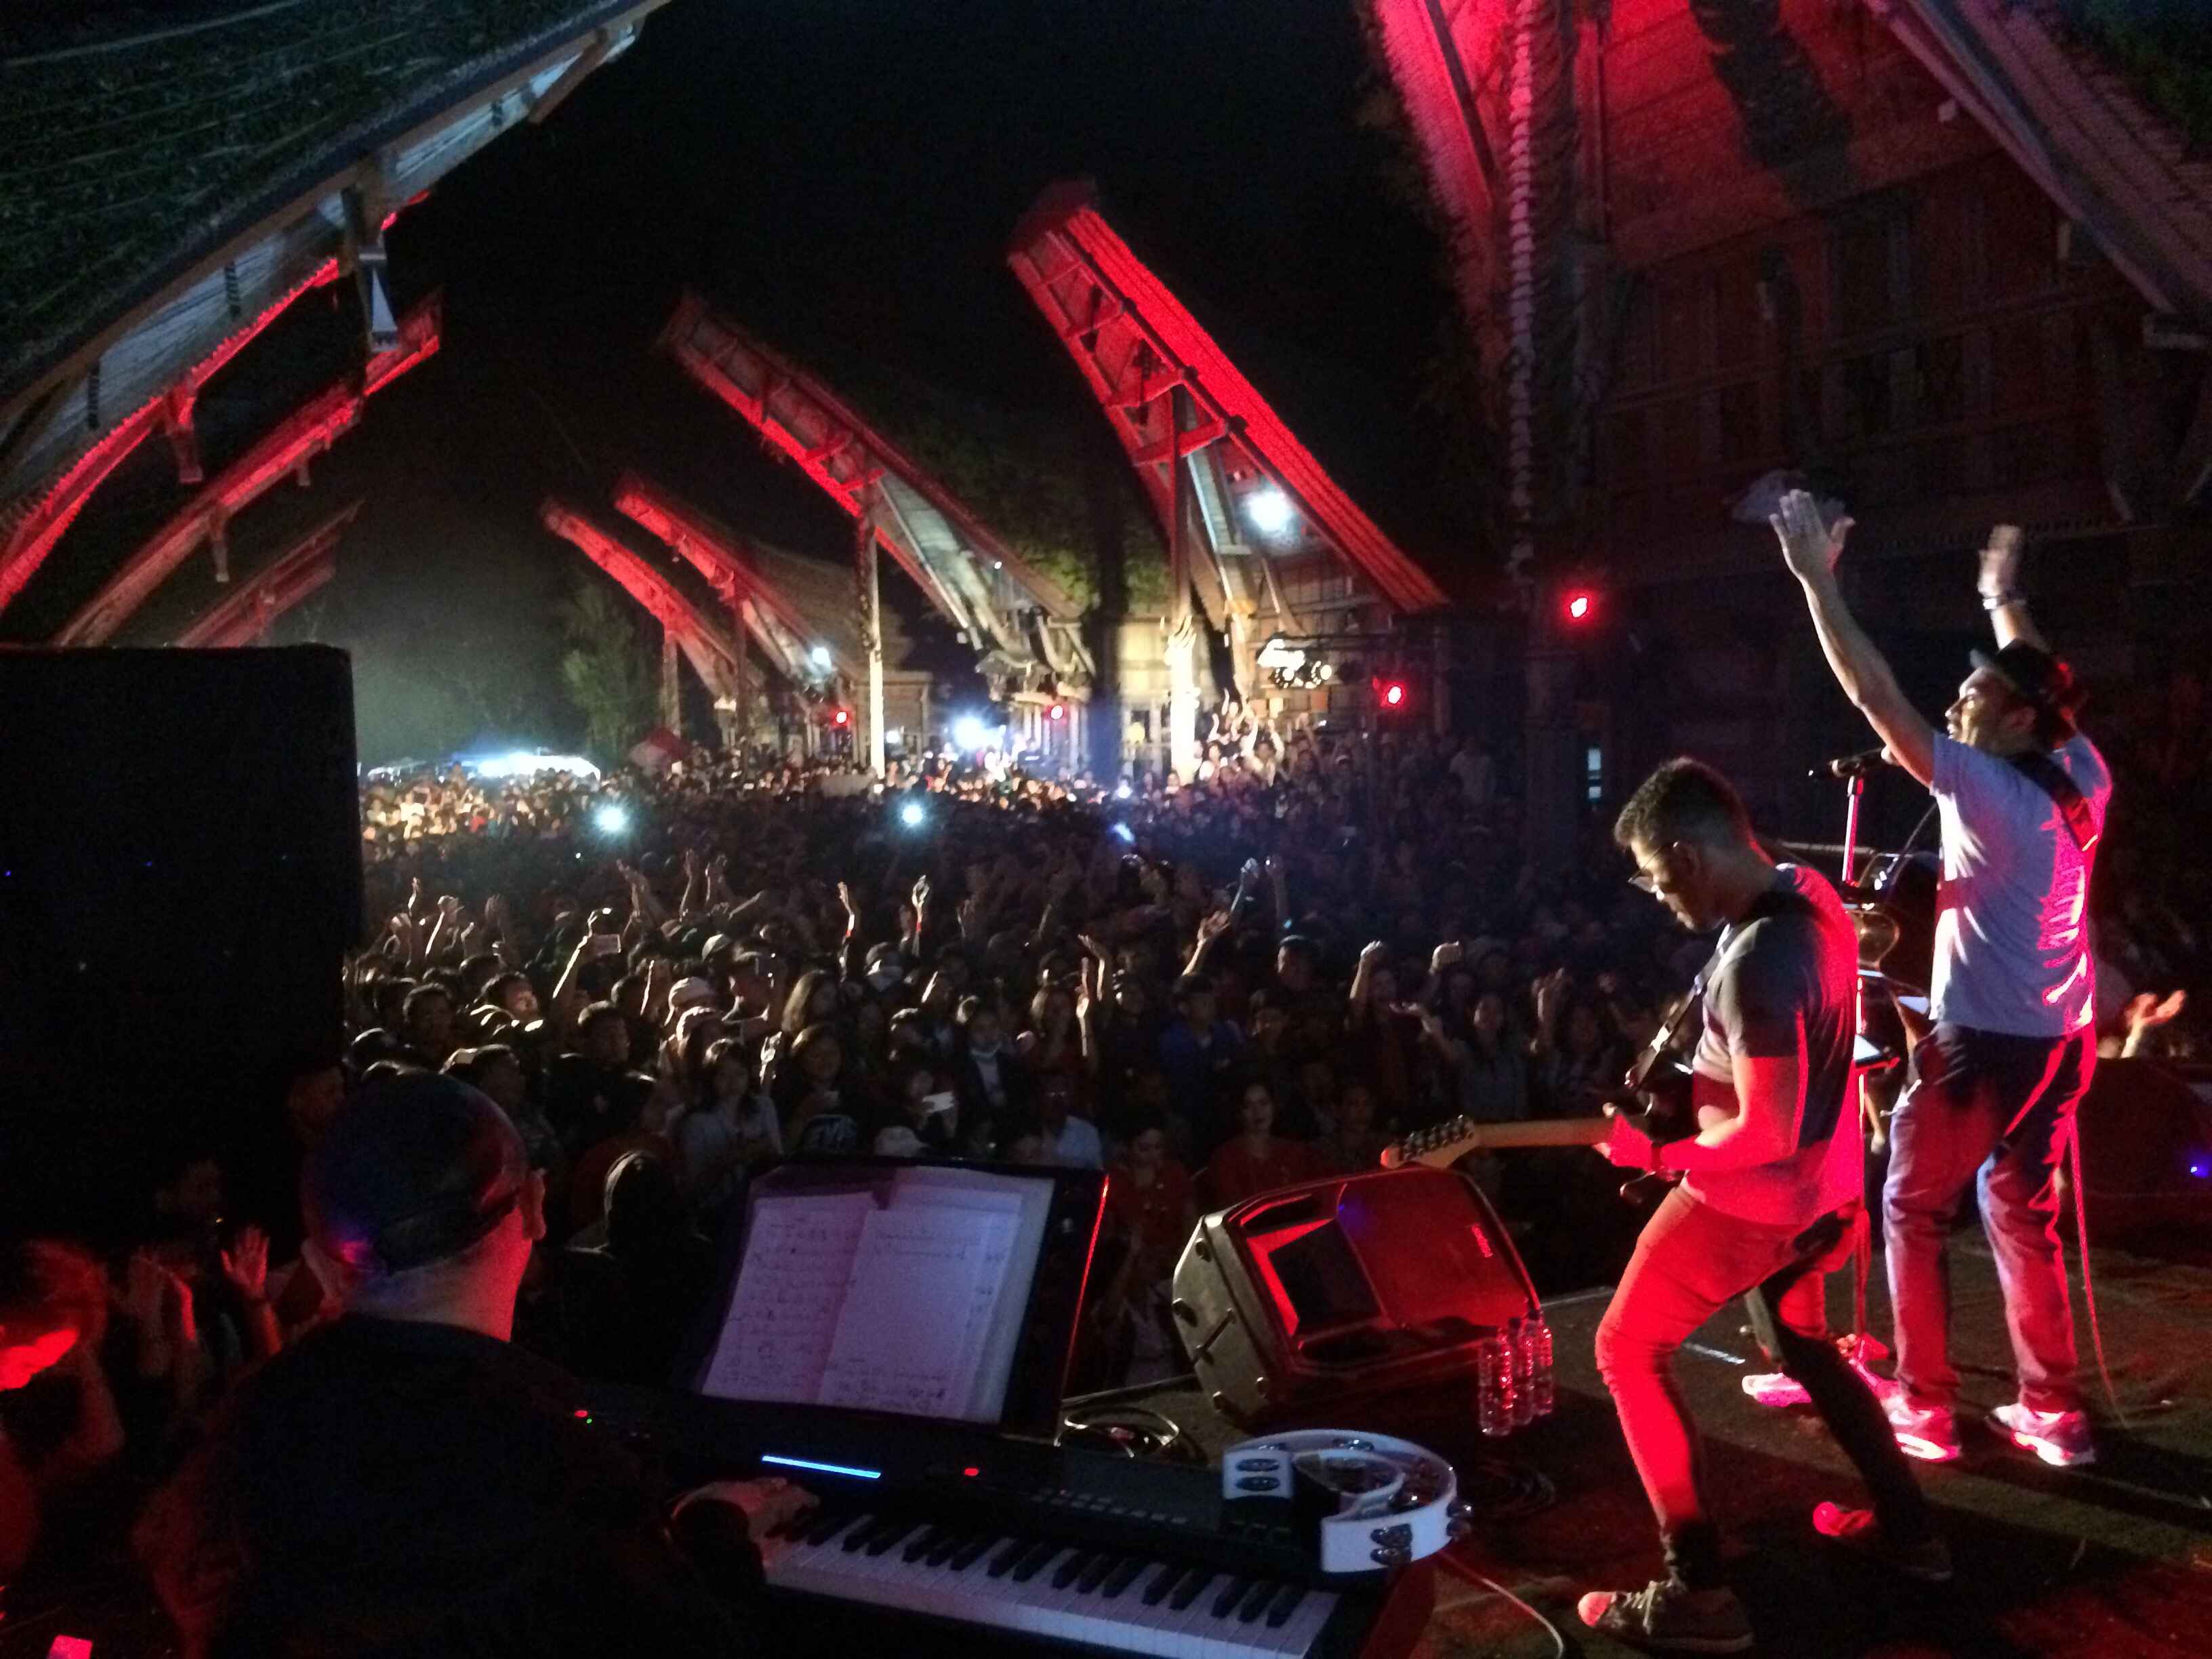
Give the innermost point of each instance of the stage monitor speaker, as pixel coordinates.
(1293, 1304)
(2146, 1151)
(179, 881)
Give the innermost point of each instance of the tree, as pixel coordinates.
(606, 670)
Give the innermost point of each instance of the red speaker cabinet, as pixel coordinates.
(1295, 1302)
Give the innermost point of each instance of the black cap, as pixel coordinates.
(2040, 678)
(418, 1169)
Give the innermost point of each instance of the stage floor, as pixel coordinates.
(2113, 1560)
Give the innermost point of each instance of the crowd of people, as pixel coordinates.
(1209, 988)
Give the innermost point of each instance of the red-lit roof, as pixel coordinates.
(308, 431)
(1135, 342)
(301, 569)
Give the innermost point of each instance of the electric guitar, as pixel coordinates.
(1656, 1095)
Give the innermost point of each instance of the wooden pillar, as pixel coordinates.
(671, 689)
(1182, 628)
(871, 631)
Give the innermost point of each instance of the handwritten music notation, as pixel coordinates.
(841, 1303)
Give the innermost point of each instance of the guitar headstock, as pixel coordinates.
(1438, 1147)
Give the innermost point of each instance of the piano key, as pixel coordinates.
(1003, 1562)
(1066, 1573)
(1231, 1593)
(1256, 1601)
(891, 1535)
(922, 1543)
(1303, 1627)
(1095, 1575)
(971, 1551)
(1279, 1611)
(1157, 1587)
(942, 1551)
(1194, 1582)
(1123, 1575)
(856, 1536)
(828, 1524)
(1031, 1563)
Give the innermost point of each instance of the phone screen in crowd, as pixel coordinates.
(606, 944)
(933, 1104)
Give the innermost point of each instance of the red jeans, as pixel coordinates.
(1690, 1262)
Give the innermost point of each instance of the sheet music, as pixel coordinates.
(777, 1336)
(924, 1281)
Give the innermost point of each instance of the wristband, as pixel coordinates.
(1999, 600)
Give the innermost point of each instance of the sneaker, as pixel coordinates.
(2059, 1438)
(1775, 1389)
(1667, 1616)
(1929, 1433)
(1928, 1560)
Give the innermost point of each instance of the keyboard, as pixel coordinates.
(1125, 1601)
(994, 1545)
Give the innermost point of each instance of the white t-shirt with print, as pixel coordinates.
(2012, 925)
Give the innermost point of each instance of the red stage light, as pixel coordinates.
(1579, 606)
(842, 718)
(1393, 695)
(1059, 711)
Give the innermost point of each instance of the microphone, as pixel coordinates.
(1848, 766)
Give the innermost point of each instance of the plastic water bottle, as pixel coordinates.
(1524, 1379)
(1536, 1345)
(1494, 1384)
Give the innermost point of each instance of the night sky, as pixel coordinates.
(844, 169)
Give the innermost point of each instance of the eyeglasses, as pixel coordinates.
(1643, 881)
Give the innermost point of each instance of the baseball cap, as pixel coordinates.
(2042, 679)
(416, 1170)
(687, 992)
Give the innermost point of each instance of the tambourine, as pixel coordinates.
(1373, 1501)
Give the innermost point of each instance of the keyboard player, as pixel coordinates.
(405, 1480)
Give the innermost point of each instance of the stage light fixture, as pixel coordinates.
(969, 732)
(611, 820)
(912, 815)
(819, 656)
(1268, 511)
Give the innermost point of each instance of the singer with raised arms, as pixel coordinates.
(2020, 796)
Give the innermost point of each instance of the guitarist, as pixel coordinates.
(1990, 1098)
(1772, 1170)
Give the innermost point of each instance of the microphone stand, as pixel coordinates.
(1869, 1119)
(1855, 787)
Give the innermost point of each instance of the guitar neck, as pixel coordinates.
(1541, 1132)
(1448, 1143)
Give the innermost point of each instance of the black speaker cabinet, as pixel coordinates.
(1295, 1303)
(179, 879)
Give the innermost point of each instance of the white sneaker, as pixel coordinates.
(2060, 1439)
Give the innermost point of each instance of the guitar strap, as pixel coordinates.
(2046, 774)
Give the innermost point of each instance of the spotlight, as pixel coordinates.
(842, 717)
(969, 732)
(819, 656)
(611, 820)
(1269, 511)
(1581, 604)
(1391, 694)
(1059, 711)
(1121, 791)
(912, 815)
